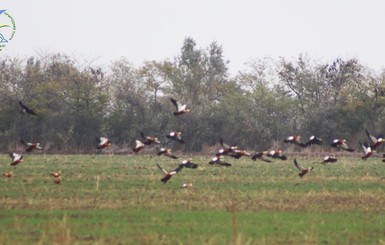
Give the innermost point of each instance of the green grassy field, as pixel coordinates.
(121, 200)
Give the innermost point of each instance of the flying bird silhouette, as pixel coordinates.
(168, 174)
(25, 109)
(302, 170)
(16, 158)
(180, 108)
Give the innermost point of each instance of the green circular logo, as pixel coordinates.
(7, 28)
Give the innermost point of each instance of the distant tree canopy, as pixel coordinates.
(256, 108)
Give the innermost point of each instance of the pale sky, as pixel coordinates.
(142, 30)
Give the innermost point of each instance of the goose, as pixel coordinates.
(259, 155)
(148, 140)
(138, 146)
(188, 164)
(341, 143)
(186, 185)
(31, 146)
(329, 159)
(175, 136)
(276, 154)
(103, 142)
(16, 158)
(217, 161)
(25, 109)
(55, 174)
(225, 148)
(8, 174)
(166, 152)
(169, 174)
(313, 140)
(294, 139)
(57, 180)
(302, 170)
(376, 141)
(180, 108)
(238, 153)
(367, 150)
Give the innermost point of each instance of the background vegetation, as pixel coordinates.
(255, 108)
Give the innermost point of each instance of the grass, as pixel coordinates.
(120, 200)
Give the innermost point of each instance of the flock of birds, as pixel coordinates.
(232, 151)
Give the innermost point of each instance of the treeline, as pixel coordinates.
(256, 108)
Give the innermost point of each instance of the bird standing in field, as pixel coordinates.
(180, 108)
(169, 174)
(186, 185)
(16, 158)
(8, 174)
(103, 142)
(55, 174)
(302, 170)
(375, 141)
(31, 146)
(25, 109)
(341, 143)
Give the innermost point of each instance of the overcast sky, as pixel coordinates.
(141, 30)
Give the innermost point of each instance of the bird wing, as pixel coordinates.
(223, 144)
(23, 106)
(24, 143)
(103, 140)
(371, 137)
(138, 144)
(162, 169)
(177, 104)
(142, 134)
(297, 165)
(190, 165)
(364, 147)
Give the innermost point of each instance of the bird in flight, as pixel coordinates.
(367, 150)
(138, 146)
(259, 155)
(166, 152)
(31, 146)
(103, 142)
(180, 108)
(341, 143)
(302, 170)
(148, 140)
(218, 161)
(313, 140)
(25, 109)
(16, 158)
(175, 136)
(375, 141)
(168, 174)
(329, 159)
(294, 139)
